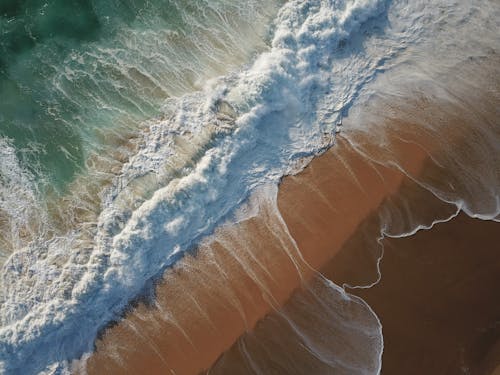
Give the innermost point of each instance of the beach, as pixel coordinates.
(257, 293)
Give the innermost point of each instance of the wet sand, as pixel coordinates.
(206, 302)
(436, 298)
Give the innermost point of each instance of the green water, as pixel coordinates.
(72, 72)
(34, 37)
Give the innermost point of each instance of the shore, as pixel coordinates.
(225, 307)
(440, 315)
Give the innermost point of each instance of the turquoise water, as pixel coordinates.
(77, 76)
(35, 40)
(81, 81)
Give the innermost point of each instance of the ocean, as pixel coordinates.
(131, 130)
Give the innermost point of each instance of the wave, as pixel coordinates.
(201, 161)
(19, 204)
(77, 104)
(415, 155)
(75, 89)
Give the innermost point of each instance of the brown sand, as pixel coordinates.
(195, 301)
(436, 299)
(215, 297)
(441, 314)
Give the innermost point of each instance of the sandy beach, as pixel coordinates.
(255, 294)
(441, 315)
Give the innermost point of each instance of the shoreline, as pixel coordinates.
(329, 218)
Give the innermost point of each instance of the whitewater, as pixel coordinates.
(203, 157)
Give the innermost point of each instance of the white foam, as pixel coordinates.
(195, 167)
(21, 214)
